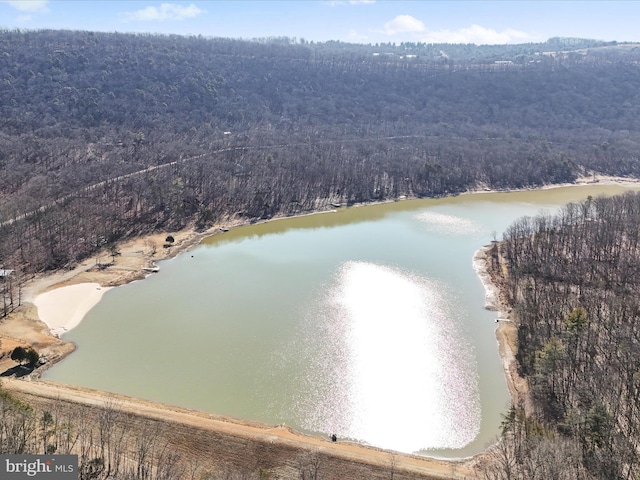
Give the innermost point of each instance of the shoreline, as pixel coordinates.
(506, 331)
(144, 252)
(64, 308)
(213, 440)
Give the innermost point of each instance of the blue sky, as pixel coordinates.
(360, 21)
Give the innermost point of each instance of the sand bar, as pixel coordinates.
(491, 292)
(64, 308)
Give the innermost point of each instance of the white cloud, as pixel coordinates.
(166, 11)
(36, 6)
(478, 35)
(24, 18)
(403, 24)
(354, 36)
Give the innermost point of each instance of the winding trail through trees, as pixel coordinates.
(152, 168)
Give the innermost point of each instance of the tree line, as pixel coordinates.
(113, 444)
(573, 282)
(106, 136)
(107, 444)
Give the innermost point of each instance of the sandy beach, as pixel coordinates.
(64, 308)
(53, 304)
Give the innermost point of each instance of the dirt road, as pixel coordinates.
(246, 445)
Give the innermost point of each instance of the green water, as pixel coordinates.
(367, 323)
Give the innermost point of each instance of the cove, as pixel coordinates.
(367, 322)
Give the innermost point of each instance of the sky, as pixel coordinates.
(357, 21)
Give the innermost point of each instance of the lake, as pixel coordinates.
(367, 322)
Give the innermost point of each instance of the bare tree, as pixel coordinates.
(309, 466)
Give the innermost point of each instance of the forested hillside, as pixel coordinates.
(107, 136)
(573, 281)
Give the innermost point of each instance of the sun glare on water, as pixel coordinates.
(396, 373)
